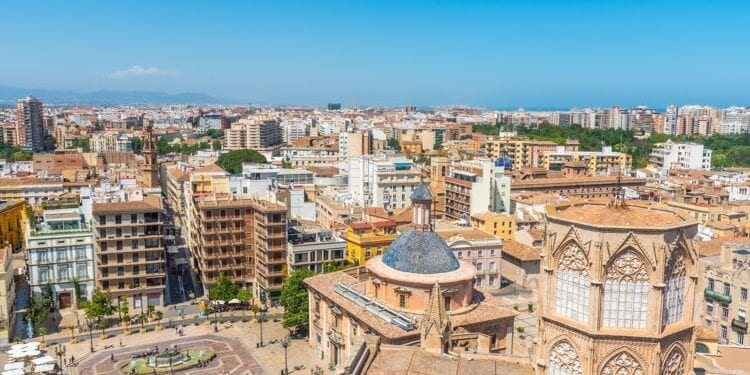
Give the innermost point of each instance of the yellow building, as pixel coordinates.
(12, 216)
(365, 240)
(500, 225)
(7, 294)
(210, 179)
(597, 162)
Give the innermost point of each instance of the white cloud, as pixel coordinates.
(139, 71)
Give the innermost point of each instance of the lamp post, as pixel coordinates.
(60, 351)
(261, 318)
(285, 343)
(90, 323)
(216, 322)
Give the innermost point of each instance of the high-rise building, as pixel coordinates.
(682, 155)
(618, 288)
(30, 132)
(475, 186)
(253, 133)
(129, 252)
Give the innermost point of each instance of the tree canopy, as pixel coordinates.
(224, 289)
(215, 133)
(14, 153)
(164, 147)
(294, 298)
(100, 305)
(232, 160)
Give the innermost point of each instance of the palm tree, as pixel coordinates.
(150, 309)
(126, 320)
(123, 309)
(158, 315)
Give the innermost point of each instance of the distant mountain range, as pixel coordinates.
(9, 95)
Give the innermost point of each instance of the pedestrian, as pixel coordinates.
(121, 342)
(112, 357)
(72, 359)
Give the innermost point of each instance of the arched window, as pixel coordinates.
(674, 290)
(675, 363)
(622, 364)
(572, 285)
(626, 292)
(563, 360)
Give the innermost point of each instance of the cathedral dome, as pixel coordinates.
(423, 252)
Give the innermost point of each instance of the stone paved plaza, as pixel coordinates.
(234, 344)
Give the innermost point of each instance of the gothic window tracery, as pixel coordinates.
(572, 284)
(622, 364)
(563, 360)
(674, 290)
(675, 363)
(626, 292)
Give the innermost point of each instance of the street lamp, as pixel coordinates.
(90, 323)
(285, 343)
(261, 318)
(60, 351)
(216, 322)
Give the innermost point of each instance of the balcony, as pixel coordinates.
(710, 294)
(335, 336)
(739, 325)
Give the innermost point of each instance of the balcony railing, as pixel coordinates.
(739, 325)
(711, 294)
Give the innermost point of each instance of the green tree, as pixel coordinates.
(77, 290)
(216, 145)
(224, 289)
(331, 267)
(150, 310)
(82, 143)
(99, 308)
(232, 160)
(137, 144)
(43, 331)
(38, 310)
(50, 143)
(123, 309)
(244, 295)
(215, 133)
(294, 298)
(393, 144)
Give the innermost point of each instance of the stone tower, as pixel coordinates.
(617, 290)
(436, 326)
(150, 168)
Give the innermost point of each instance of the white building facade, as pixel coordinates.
(682, 155)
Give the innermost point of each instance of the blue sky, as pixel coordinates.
(500, 54)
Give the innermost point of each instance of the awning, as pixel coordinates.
(43, 360)
(13, 366)
(234, 301)
(172, 249)
(217, 302)
(14, 372)
(44, 368)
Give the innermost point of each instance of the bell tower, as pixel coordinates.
(150, 173)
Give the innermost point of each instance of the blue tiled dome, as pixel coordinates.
(421, 193)
(420, 252)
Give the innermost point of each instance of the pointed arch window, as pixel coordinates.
(675, 363)
(563, 360)
(622, 364)
(626, 292)
(674, 290)
(572, 285)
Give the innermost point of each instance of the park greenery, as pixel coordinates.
(729, 150)
(215, 133)
(232, 160)
(83, 143)
(40, 307)
(13, 153)
(294, 298)
(165, 147)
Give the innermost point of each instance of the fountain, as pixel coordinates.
(172, 359)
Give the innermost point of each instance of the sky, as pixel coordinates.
(492, 54)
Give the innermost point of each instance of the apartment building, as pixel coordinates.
(12, 216)
(130, 256)
(475, 186)
(724, 284)
(7, 294)
(31, 189)
(222, 238)
(601, 162)
(60, 254)
(670, 155)
(30, 131)
(253, 133)
(111, 142)
(270, 250)
(525, 153)
(380, 182)
(313, 246)
(365, 240)
(477, 247)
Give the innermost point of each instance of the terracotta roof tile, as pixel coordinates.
(520, 251)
